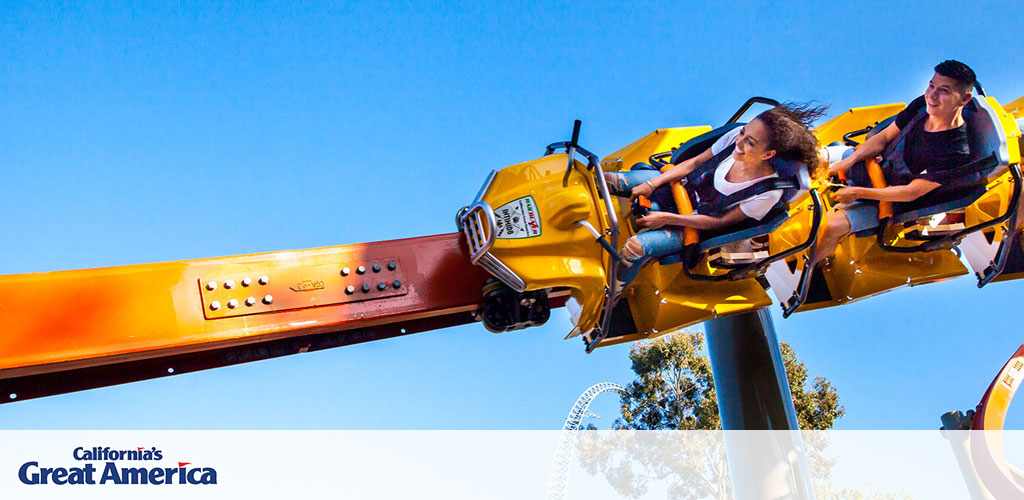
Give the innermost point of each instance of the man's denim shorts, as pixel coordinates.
(862, 215)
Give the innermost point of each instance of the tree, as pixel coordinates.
(674, 390)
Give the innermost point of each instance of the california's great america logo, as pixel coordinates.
(100, 466)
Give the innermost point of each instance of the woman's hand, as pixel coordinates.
(847, 194)
(644, 189)
(657, 220)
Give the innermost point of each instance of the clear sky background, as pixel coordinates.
(135, 133)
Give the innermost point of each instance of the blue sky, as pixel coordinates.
(140, 133)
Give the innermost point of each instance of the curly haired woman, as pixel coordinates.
(781, 133)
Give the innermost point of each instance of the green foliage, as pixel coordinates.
(674, 388)
(817, 408)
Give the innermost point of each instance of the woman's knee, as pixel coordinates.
(651, 244)
(615, 181)
(633, 249)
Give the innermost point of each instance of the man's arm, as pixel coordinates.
(871, 148)
(909, 192)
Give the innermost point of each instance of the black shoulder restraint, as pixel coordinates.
(897, 173)
(711, 202)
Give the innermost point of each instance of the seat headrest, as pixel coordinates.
(793, 170)
(985, 134)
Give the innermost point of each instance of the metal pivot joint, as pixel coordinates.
(505, 310)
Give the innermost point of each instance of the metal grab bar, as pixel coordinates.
(572, 151)
(950, 240)
(750, 102)
(600, 239)
(613, 222)
(658, 159)
(479, 237)
(1005, 245)
(848, 137)
(803, 286)
(610, 296)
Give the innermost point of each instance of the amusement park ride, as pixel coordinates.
(538, 235)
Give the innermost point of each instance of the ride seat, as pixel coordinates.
(986, 139)
(750, 228)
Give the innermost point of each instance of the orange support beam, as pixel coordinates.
(72, 330)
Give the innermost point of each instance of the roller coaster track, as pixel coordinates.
(558, 478)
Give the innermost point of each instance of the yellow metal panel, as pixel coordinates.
(664, 300)
(1016, 107)
(855, 119)
(560, 254)
(860, 269)
(659, 141)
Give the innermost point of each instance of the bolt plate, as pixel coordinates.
(300, 288)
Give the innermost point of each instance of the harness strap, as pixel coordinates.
(699, 174)
(721, 204)
(898, 173)
(713, 203)
(968, 173)
(894, 165)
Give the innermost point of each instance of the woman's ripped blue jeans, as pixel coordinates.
(646, 245)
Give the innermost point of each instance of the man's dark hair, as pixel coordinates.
(958, 71)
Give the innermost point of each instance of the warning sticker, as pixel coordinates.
(518, 219)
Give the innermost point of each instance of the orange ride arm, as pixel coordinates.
(73, 330)
(682, 199)
(878, 181)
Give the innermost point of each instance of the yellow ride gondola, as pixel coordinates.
(973, 214)
(534, 226)
(551, 224)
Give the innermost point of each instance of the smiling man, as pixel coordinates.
(929, 135)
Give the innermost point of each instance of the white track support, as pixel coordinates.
(558, 478)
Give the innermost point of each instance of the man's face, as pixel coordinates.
(943, 97)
